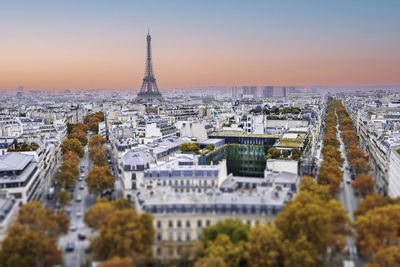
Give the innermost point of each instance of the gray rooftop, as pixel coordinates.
(137, 158)
(14, 161)
(260, 196)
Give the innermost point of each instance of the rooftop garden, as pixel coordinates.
(293, 154)
(292, 142)
(276, 111)
(240, 134)
(19, 147)
(190, 147)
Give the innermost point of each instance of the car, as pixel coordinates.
(70, 247)
(353, 177)
(81, 186)
(348, 181)
(73, 228)
(68, 211)
(81, 236)
(79, 214)
(78, 198)
(88, 249)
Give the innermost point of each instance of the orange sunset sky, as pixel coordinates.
(101, 44)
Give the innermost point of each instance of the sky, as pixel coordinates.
(96, 44)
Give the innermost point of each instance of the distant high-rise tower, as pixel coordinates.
(284, 92)
(268, 91)
(20, 91)
(149, 90)
(249, 91)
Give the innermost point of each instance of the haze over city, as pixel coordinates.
(99, 44)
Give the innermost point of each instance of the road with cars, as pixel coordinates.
(75, 244)
(350, 201)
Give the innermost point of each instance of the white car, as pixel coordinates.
(78, 198)
(79, 214)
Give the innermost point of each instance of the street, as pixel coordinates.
(77, 226)
(349, 199)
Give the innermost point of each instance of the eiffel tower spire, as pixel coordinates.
(149, 90)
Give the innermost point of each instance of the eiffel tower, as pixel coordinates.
(149, 90)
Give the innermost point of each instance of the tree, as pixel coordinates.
(313, 223)
(360, 165)
(63, 197)
(96, 141)
(308, 184)
(233, 228)
(364, 184)
(99, 179)
(350, 138)
(28, 248)
(189, 147)
(68, 166)
(80, 135)
(94, 124)
(354, 152)
(210, 147)
(274, 153)
(330, 174)
(265, 246)
(97, 215)
(210, 262)
(70, 126)
(389, 256)
(65, 179)
(34, 217)
(124, 234)
(118, 262)
(371, 202)
(72, 145)
(222, 247)
(99, 157)
(331, 152)
(71, 157)
(81, 126)
(296, 153)
(378, 229)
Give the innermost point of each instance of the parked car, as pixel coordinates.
(78, 198)
(79, 214)
(353, 177)
(68, 211)
(81, 186)
(81, 236)
(88, 249)
(348, 181)
(73, 228)
(70, 246)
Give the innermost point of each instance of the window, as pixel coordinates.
(158, 224)
(170, 224)
(179, 224)
(179, 237)
(159, 237)
(208, 223)
(188, 224)
(199, 223)
(188, 237)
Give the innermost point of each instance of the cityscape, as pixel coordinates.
(234, 146)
